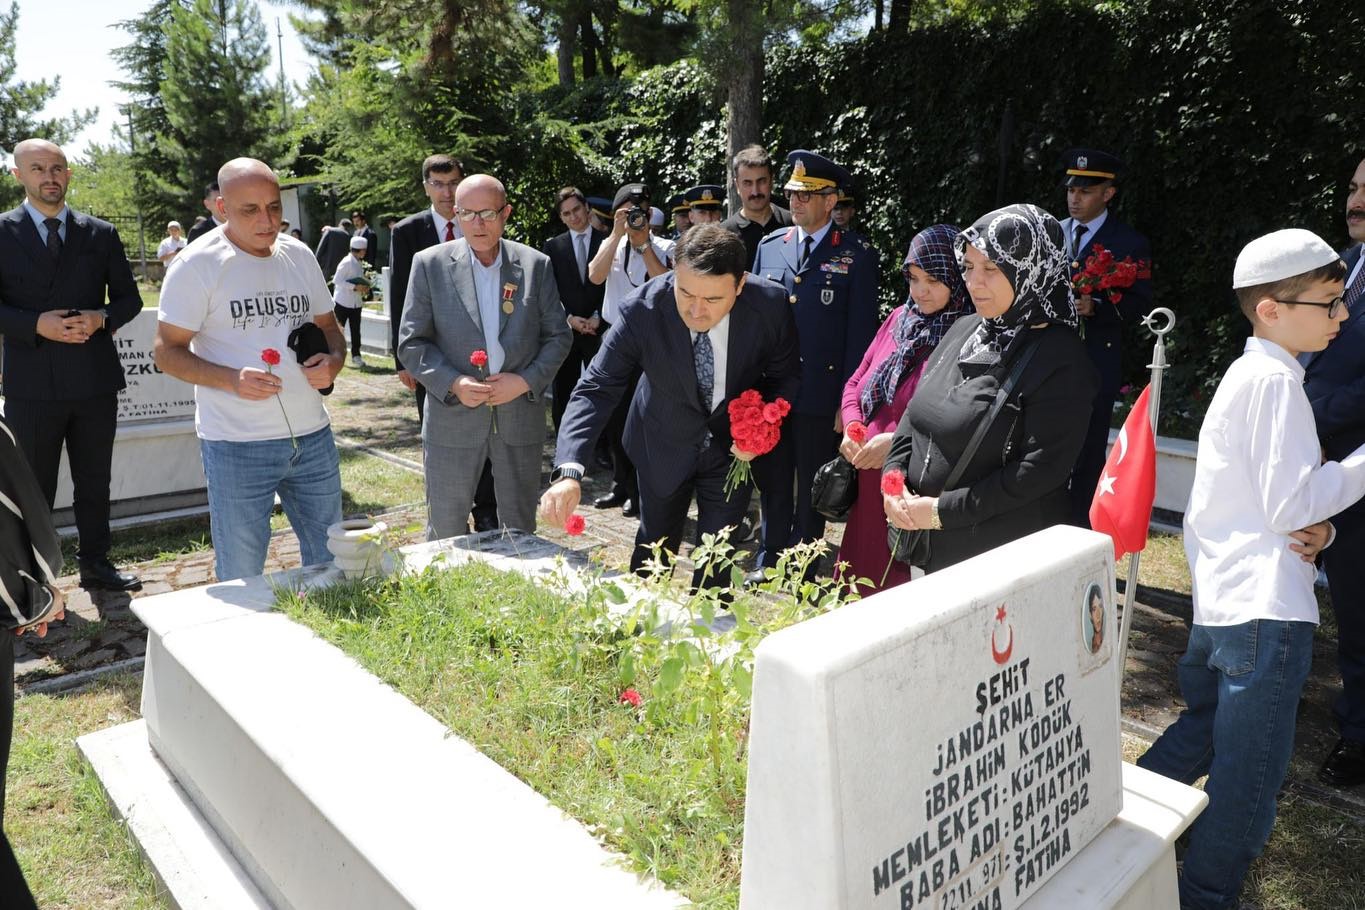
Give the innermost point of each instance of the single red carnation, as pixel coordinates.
(751, 397)
(893, 482)
(574, 526)
(1115, 296)
(271, 357)
(857, 431)
(772, 413)
(479, 358)
(630, 697)
(784, 404)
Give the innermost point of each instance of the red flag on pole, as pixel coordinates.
(1122, 507)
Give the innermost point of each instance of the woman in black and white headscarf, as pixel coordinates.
(1015, 482)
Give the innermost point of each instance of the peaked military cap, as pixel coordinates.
(1087, 167)
(812, 173)
(600, 205)
(706, 196)
(676, 203)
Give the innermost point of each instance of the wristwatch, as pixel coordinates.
(566, 473)
(640, 250)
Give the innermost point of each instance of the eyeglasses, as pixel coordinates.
(803, 196)
(468, 215)
(1334, 306)
(439, 185)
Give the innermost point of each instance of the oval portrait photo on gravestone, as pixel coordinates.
(1092, 619)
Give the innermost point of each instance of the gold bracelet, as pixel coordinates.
(935, 523)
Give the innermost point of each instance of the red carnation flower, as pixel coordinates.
(270, 357)
(1115, 296)
(630, 697)
(857, 431)
(893, 483)
(479, 358)
(574, 526)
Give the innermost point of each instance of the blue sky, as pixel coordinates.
(72, 38)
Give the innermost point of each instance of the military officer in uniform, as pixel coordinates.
(704, 203)
(844, 211)
(831, 282)
(599, 213)
(1091, 182)
(680, 212)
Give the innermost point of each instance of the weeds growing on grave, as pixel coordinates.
(625, 702)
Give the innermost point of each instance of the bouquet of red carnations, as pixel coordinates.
(755, 427)
(1105, 274)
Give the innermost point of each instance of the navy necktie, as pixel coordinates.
(705, 361)
(1077, 235)
(54, 237)
(1354, 292)
(805, 253)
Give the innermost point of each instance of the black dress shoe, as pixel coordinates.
(631, 507)
(1345, 766)
(610, 501)
(101, 573)
(485, 524)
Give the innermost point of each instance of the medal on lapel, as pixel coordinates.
(827, 296)
(509, 290)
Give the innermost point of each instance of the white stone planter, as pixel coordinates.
(358, 545)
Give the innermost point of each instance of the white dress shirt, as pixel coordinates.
(720, 353)
(1258, 477)
(441, 223)
(627, 275)
(488, 288)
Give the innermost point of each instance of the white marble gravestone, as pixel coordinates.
(948, 743)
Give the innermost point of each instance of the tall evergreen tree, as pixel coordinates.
(219, 100)
(20, 104)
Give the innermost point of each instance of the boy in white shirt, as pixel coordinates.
(1258, 478)
(348, 296)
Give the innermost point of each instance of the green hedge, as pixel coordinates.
(1234, 118)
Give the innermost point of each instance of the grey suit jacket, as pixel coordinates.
(441, 327)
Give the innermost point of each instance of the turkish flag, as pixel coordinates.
(1122, 507)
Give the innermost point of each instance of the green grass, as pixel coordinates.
(75, 855)
(534, 681)
(368, 485)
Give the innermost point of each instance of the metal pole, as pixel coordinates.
(1157, 366)
(284, 95)
(141, 236)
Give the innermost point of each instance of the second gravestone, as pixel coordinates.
(948, 743)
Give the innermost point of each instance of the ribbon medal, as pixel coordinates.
(509, 290)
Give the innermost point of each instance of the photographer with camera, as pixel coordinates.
(624, 267)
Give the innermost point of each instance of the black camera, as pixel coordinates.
(636, 217)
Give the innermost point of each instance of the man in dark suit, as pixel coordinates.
(211, 222)
(1091, 182)
(1335, 383)
(62, 373)
(441, 174)
(333, 246)
(831, 282)
(363, 229)
(701, 335)
(570, 253)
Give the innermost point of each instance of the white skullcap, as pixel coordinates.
(359, 243)
(172, 224)
(1280, 255)
(656, 217)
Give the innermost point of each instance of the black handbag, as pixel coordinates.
(307, 340)
(915, 548)
(834, 489)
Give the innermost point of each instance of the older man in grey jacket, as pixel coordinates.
(479, 297)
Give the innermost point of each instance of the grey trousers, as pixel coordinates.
(453, 476)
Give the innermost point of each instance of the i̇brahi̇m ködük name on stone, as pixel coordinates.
(1045, 786)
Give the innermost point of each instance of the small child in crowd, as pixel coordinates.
(1259, 479)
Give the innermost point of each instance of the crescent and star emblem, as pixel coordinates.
(998, 655)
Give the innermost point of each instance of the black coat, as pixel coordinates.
(410, 236)
(92, 264)
(579, 297)
(199, 230)
(1335, 385)
(371, 252)
(1017, 481)
(333, 246)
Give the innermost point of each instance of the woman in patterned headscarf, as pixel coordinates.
(1017, 273)
(876, 394)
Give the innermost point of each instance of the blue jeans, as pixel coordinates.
(1241, 686)
(243, 478)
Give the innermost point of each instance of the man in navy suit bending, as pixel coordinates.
(701, 334)
(1335, 383)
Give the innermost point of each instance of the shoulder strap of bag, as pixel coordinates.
(1006, 389)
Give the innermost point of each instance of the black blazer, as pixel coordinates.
(199, 230)
(410, 236)
(580, 298)
(92, 264)
(333, 246)
(371, 251)
(666, 426)
(1016, 483)
(1335, 382)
